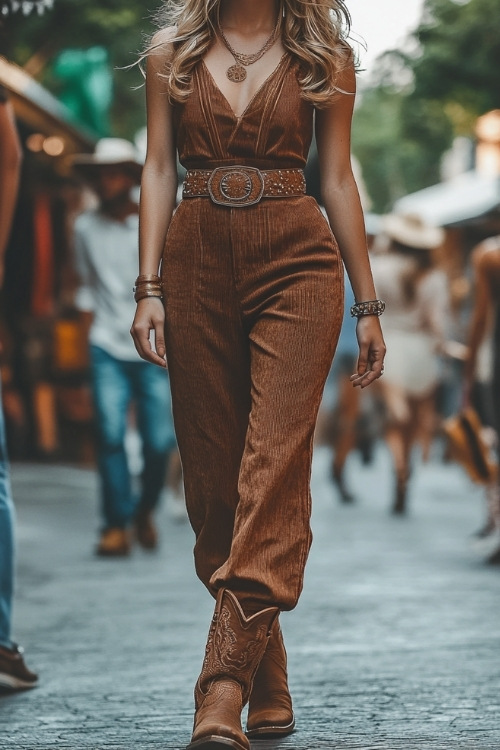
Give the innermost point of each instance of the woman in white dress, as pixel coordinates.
(416, 296)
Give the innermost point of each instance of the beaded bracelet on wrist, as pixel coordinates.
(371, 307)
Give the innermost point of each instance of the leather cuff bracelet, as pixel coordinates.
(147, 278)
(147, 285)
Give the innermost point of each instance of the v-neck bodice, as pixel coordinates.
(274, 131)
(263, 85)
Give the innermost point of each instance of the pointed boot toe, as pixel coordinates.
(218, 719)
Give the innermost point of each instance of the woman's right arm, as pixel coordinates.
(158, 194)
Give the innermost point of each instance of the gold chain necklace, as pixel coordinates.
(237, 72)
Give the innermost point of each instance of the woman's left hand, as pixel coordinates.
(371, 351)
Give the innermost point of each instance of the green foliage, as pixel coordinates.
(118, 26)
(376, 126)
(419, 101)
(461, 54)
(395, 161)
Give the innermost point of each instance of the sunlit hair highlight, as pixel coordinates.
(314, 31)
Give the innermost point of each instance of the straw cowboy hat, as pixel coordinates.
(411, 231)
(109, 152)
(467, 446)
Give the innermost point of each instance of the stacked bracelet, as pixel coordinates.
(147, 285)
(372, 307)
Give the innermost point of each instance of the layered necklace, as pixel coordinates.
(237, 72)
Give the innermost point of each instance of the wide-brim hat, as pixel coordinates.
(468, 447)
(109, 152)
(412, 231)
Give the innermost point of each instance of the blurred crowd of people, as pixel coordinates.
(440, 392)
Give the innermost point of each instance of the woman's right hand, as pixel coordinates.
(150, 316)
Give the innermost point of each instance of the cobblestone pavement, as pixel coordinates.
(395, 643)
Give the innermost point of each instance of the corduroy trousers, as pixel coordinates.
(254, 301)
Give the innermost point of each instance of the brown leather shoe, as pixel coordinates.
(235, 646)
(14, 674)
(145, 530)
(114, 543)
(270, 712)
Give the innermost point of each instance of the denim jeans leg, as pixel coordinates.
(7, 547)
(155, 423)
(112, 389)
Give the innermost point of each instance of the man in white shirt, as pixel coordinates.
(106, 248)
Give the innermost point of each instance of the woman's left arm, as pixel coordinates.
(340, 198)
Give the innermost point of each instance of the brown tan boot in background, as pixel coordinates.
(235, 647)
(14, 674)
(270, 712)
(114, 543)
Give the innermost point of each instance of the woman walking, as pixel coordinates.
(252, 287)
(415, 330)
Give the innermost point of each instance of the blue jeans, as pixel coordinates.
(7, 519)
(117, 383)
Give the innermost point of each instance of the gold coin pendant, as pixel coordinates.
(236, 73)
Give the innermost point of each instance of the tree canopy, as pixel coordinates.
(419, 100)
(460, 64)
(35, 41)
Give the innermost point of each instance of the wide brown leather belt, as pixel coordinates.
(239, 186)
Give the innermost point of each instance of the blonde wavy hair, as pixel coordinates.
(314, 31)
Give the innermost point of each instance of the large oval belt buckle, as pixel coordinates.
(236, 186)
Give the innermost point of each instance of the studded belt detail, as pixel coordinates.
(239, 186)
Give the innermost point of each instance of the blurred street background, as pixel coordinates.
(401, 606)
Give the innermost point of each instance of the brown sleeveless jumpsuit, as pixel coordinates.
(254, 301)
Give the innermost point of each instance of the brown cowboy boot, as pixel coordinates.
(270, 711)
(235, 646)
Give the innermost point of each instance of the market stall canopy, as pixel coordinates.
(457, 202)
(42, 113)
